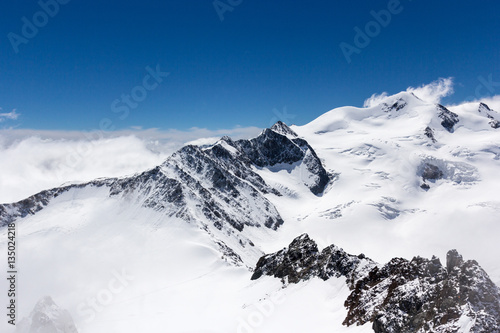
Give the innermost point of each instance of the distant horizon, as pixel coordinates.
(148, 182)
(90, 154)
(438, 91)
(66, 65)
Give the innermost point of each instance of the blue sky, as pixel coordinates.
(266, 60)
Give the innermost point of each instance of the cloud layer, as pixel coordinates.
(13, 115)
(31, 161)
(34, 160)
(432, 92)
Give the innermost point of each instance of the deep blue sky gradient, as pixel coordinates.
(264, 56)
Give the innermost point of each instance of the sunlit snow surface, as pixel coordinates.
(119, 267)
(173, 277)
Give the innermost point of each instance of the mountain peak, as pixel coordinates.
(283, 129)
(396, 105)
(449, 119)
(453, 259)
(401, 99)
(400, 296)
(47, 316)
(485, 110)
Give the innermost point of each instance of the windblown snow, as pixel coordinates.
(173, 249)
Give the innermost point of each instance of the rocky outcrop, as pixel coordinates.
(432, 169)
(301, 261)
(431, 172)
(396, 105)
(402, 296)
(491, 114)
(449, 119)
(31, 205)
(279, 145)
(430, 134)
(47, 317)
(217, 184)
(281, 128)
(422, 296)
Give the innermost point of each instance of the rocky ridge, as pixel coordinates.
(47, 317)
(217, 187)
(418, 295)
(491, 114)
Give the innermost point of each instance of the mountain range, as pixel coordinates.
(246, 235)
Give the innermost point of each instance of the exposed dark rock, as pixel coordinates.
(402, 296)
(485, 109)
(47, 317)
(283, 129)
(430, 134)
(302, 260)
(453, 260)
(220, 178)
(421, 296)
(229, 255)
(431, 172)
(449, 119)
(494, 123)
(425, 186)
(31, 205)
(394, 106)
(432, 169)
(272, 148)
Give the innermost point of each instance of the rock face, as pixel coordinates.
(280, 145)
(491, 114)
(302, 261)
(422, 296)
(431, 172)
(281, 128)
(449, 119)
(47, 317)
(430, 134)
(396, 105)
(400, 297)
(220, 180)
(432, 169)
(29, 206)
(217, 187)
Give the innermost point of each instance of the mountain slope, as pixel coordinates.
(217, 187)
(47, 317)
(401, 296)
(398, 179)
(386, 193)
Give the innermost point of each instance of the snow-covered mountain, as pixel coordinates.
(401, 296)
(218, 187)
(47, 317)
(154, 250)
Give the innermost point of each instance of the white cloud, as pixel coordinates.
(493, 102)
(204, 141)
(13, 115)
(33, 160)
(434, 91)
(470, 108)
(374, 100)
